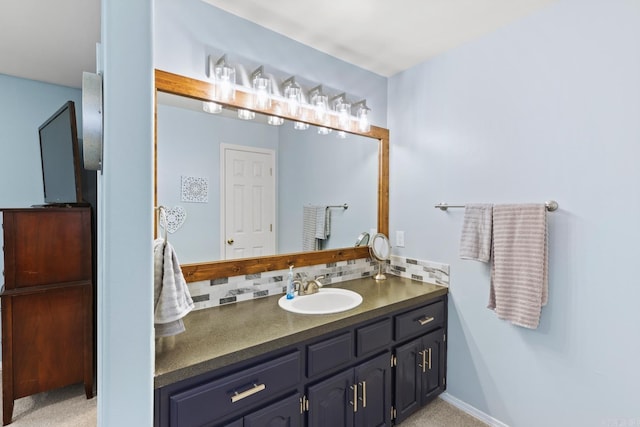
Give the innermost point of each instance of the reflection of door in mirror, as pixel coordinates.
(248, 201)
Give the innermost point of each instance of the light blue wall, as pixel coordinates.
(125, 217)
(24, 106)
(547, 107)
(326, 170)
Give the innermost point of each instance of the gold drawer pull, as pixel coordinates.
(426, 320)
(255, 389)
(355, 397)
(364, 394)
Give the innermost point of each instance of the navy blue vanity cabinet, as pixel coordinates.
(420, 364)
(367, 373)
(358, 397)
(284, 413)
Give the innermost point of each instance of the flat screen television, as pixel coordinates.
(60, 155)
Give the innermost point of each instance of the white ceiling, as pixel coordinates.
(54, 40)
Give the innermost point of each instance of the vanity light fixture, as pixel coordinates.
(362, 114)
(246, 114)
(262, 89)
(341, 134)
(211, 107)
(319, 103)
(293, 96)
(225, 78)
(300, 126)
(323, 131)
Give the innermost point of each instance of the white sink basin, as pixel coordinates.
(325, 301)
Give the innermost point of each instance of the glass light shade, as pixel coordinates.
(262, 95)
(341, 134)
(225, 82)
(246, 114)
(293, 95)
(324, 131)
(212, 107)
(363, 119)
(344, 114)
(320, 106)
(300, 126)
(275, 121)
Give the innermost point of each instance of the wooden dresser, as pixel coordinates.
(47, 302)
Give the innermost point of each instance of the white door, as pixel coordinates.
(248, 201)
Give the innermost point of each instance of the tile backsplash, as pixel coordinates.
(423, 271)
(227, 290)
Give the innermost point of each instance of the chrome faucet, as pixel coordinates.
(307, 287)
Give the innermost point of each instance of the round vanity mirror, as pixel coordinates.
(380, 249)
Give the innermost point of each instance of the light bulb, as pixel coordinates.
(246, 114)
(275, 121)
(212, 107)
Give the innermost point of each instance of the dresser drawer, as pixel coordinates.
(329, 354)
(373, 337)
(216, 399)
(420, 320)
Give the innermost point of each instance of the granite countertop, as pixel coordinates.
(219, 336)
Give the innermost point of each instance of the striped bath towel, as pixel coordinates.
(172, 300)
(519, 283)
(475, 239)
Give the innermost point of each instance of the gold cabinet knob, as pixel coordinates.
(230, 241)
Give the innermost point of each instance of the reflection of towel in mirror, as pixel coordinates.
(316, 226)
(475, 239)
(323, 222)
(172, 300)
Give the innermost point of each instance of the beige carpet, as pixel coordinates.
(64, 407)
(441, 414)
(68, 407)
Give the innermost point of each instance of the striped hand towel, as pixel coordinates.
(519, 283)
(475, 239)
(172, 300)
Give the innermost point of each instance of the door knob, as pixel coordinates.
(230, 241)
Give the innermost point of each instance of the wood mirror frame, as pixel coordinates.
(185, 86)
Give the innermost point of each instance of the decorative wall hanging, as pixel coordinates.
(174, 218)
(195, 189)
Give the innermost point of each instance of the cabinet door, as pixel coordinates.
(331, 401)
(434, 357)
(373, 379)
(285, 413)
(408, 379)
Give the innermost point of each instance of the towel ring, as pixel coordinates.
(162, 213)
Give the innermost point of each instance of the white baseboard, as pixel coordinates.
(474, 412)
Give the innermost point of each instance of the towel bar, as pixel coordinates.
(345, 206)
(551, 206)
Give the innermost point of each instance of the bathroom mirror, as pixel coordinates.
(310, 167)
(168, 83)
(380, 250)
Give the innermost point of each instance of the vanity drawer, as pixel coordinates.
(373, 337)
(236, 392)
(329, 354)
(419, 320)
